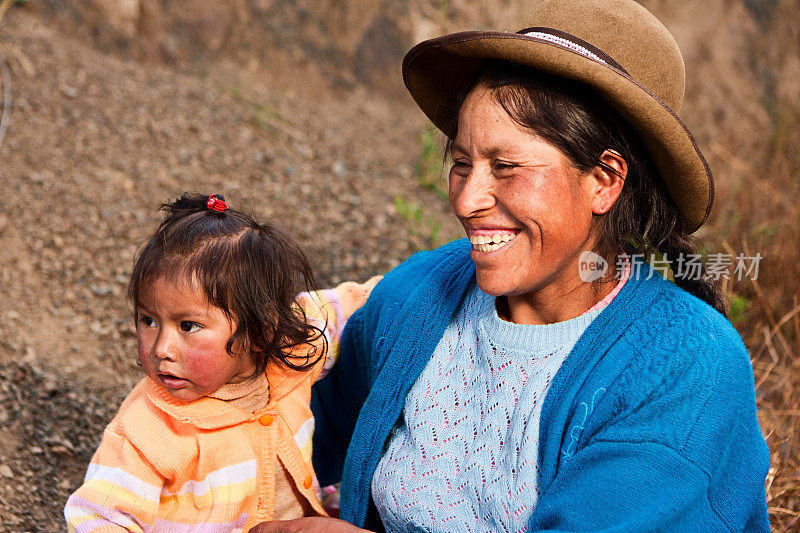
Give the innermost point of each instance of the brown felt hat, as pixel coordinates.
(615, 46)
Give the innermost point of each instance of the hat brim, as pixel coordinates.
(439, 71)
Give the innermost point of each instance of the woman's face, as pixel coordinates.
(525, 209)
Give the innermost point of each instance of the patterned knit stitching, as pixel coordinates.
(465, 455)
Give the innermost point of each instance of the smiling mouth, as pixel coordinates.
(490, 243)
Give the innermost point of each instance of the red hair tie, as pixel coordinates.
(216, 204)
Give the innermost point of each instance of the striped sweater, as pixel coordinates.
(207, 465)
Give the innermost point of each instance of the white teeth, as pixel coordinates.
(485, 243)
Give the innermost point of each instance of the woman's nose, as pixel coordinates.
(473, 194)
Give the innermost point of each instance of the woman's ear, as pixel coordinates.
(607, 185)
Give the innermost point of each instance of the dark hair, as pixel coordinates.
(573, 118)
(253, 272)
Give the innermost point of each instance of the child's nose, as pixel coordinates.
(165, 347)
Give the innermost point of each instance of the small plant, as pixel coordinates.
(416, 222)
(408, 211)
(429, 174)
(738, 308)
(263, 117)
(268, 118)
(429, 169)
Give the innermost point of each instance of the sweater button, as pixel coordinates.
(307, 482)
(265, 420)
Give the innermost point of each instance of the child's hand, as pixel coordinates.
(354, 295)
(359, 291)
(331, 308)
(314, 524)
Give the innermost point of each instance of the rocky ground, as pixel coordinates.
(294, 111)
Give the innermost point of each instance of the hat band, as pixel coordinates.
(572, 43)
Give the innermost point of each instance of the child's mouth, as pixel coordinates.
(172, 382)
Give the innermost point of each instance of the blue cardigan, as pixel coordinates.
(649, 425)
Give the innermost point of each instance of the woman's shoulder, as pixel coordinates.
(679, 318)
(680, 347)
(679, 375)
(409, 275)
(672, 340)
(454, 253)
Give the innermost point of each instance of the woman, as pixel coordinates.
(542, 376)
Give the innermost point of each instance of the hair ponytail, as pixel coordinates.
(676, 249)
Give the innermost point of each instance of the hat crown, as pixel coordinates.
(626, 32)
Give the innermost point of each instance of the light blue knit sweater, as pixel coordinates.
(464, 457)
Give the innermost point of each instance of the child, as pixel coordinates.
(218, 434)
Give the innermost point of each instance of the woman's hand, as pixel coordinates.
(313, 524)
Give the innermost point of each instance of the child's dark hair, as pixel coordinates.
(253, 272)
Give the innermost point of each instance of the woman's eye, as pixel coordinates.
(461, 167)
(504, 166)
(189, 327)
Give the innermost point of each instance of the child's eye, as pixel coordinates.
(146, 321)
(189, 327)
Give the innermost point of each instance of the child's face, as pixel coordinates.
(182, 341)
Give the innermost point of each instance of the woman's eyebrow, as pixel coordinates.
(494, 150)
(491, 152)
(457, 148)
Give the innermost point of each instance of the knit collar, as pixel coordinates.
(204, 412)
(214, 413)
(514, 336)
(251, 394)
(520, 338)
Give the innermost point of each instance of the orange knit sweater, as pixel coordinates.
(164, 464)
